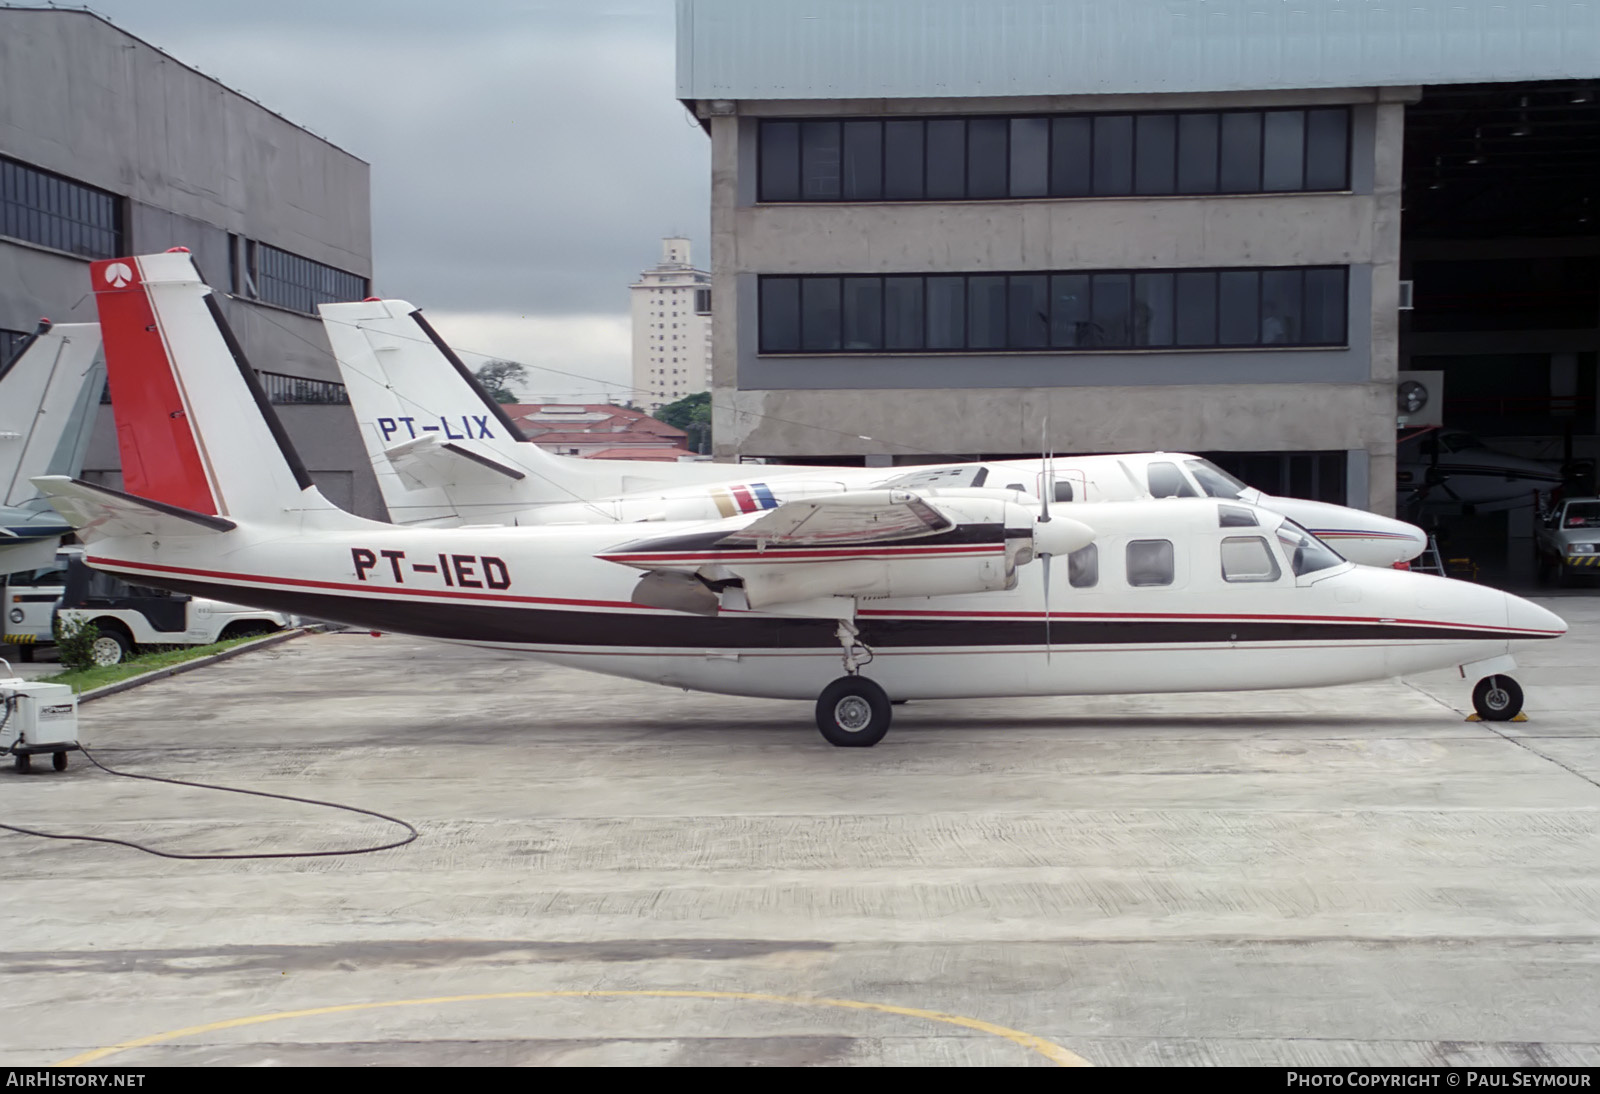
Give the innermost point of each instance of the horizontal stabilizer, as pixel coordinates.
(99, 512)
(428, 461)
(27, 554)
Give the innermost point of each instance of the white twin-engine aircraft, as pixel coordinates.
(919, 594)
(445, 453)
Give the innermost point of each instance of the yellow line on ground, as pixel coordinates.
(1048, 1049)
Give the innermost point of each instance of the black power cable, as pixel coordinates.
(412, 832)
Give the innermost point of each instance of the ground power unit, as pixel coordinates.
(36, 718)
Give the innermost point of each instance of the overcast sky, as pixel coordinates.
(527, 157)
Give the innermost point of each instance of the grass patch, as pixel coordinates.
(101, 675)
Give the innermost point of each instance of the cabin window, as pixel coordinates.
(1233, 516)
(1150, 562)
(1083, 567)
(1248, 558)
(1307, 553)
(1166, 481)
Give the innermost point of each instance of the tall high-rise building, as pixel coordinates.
(671, 329)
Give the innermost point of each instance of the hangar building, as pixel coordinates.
(1195, 225)
(108, 146)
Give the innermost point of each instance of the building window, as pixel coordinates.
(300, 284)
(1077, 155)
(702, 301)
(1094, 310)
(10, 342)
(54, 211)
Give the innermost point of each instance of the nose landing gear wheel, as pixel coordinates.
(853, 712)
(1497, 698)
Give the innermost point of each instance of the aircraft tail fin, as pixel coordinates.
(406, 384)
(195, 427)
(49, 396)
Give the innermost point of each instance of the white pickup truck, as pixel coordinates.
(127, 616)
(1567, 541)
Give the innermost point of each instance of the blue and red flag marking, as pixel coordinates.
(744, 498)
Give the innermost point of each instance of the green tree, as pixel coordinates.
(692, 414)
(497, 376)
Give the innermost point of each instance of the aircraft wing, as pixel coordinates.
(427, 461)
(870, 516)
(826, 551)
(809, 530)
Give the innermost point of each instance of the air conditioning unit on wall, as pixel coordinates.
(1419, 399)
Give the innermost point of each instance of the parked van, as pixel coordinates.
(30, 598)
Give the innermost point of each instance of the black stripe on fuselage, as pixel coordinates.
(479, 622)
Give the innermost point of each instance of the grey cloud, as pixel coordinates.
(525, 157)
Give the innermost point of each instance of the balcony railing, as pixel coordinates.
(298, 391)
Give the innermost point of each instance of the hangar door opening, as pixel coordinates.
(1500, 241)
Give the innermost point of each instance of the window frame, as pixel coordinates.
(1057, 191)
(1273, 557)
(60, 213)
(1094, 344)
(1172, 568)
(272, 271)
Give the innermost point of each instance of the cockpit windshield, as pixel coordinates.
(1307, 553)
(1214, 480)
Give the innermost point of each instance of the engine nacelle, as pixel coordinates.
(765, 586)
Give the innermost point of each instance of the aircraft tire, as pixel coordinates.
(853, 712)
(1497, 698)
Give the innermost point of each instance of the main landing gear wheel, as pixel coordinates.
(1497, 699)
(853, 712)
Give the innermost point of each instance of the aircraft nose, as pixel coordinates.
(1534, 621)
(1410, 539)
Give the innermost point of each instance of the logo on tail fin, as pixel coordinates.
(118, 274)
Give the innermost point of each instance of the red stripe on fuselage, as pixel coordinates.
(160, 459)
(747, 504)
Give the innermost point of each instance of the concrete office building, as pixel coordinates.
(939, 225)
(671, 329)
(109, 146)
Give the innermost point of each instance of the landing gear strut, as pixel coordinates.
(853, 712)
(1497, 699)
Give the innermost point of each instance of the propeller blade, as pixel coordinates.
(1046, 560)
(1047, 481)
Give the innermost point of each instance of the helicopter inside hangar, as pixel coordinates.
(1500, 244)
